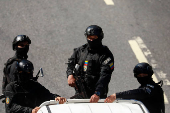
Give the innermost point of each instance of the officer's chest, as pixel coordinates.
(91, 63)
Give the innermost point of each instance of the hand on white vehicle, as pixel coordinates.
(94, 98)
(35, 110)
(61, 100)
(110, 98)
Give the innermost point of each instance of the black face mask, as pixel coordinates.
(95, 44)
(24, 77)
(22, 51)
(144, 80)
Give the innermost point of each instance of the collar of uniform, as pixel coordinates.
(94, 50)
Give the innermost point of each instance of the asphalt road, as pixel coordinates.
(56, 27)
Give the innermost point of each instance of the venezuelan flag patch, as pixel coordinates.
(7, 100)
(111, 65)
(85, 65)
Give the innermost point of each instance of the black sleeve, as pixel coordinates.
(45, 94)
(12, 71)
(7, 67)
(107, 67)
(11, 104)
(6, 70)
(139, 93)
(72, 61)
(5, 79)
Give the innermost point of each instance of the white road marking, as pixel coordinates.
(161, 74)
(167, 81)
(141, 58)
(139, 55)
(109, 2)
(152, 61)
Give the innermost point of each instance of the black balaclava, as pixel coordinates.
(144, 80)
(22, 52)
(24, 77)
(95, 44)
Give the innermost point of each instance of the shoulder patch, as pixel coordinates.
(111, 65)
(85, 65)
(7, 100)
(107, 60)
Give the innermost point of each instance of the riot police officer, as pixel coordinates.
(150, 93)
(20, 44)
(25, 95)
(96, 64)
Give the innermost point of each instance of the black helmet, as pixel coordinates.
(20, 38)
(143, 68)
(25, 66)
(25, 71)
(94, 30)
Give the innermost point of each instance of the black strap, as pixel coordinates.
(160, 82)
(162, 103)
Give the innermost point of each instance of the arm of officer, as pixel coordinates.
(35, 110)
(107, 68)
(139, 93)
(12, 105)
(46, 95)
(72, 61)
(71, 81)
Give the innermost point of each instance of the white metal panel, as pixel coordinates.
(79, 108)
(99, 108)
(118, 108)
(134, 108)
(126, 106)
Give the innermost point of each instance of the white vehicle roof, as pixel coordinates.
(83, 106)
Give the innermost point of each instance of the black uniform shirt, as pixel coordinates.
(151, 95)
(23, 98)
(10, 70)
(11, 65)
(95, 66)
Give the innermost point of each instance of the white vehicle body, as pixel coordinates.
(83, 106)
